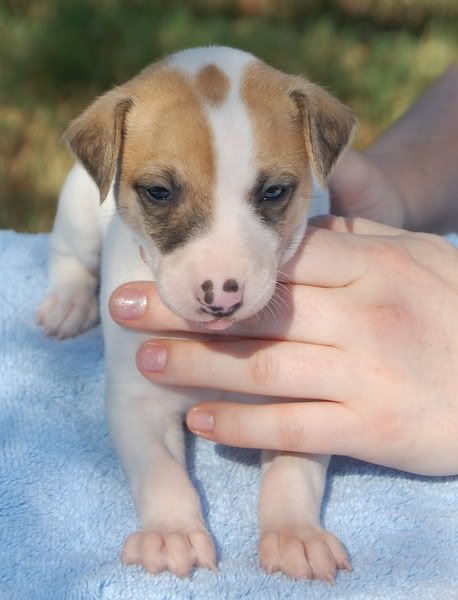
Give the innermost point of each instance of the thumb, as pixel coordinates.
(314, 427)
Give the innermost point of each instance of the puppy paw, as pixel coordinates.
(68, 311)
(177, 552)
(303, 552)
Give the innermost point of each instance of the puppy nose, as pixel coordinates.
(221, 300)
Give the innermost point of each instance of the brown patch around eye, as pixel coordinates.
(279, 147)
(172, 223)
(272, 211)
(212, 84)
(168, 142)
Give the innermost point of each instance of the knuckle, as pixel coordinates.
(233, 429)
(389, 425)
(386, 371)
(429, 238)
(424, 236)
(359, 224)
(339, 224)
(388, 318)
(263, 367)
(390, 254)
(290, 431)
(437, 242)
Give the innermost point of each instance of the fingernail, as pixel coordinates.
(200, 421)
(152, 357)
(129, 304)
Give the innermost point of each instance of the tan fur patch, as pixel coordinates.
(328, 124)
(167, 137)
(95, 137)
(278, 136)
(155, 131)
(213, 84)
(296, 124)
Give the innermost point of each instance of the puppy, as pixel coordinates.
(206, 160)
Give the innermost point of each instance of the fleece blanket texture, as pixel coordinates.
(65, 508)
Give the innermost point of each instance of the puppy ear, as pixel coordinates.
(95, 137)
(327, 123)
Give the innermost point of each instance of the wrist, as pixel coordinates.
(418, 157)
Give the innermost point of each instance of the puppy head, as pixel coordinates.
(213, 152)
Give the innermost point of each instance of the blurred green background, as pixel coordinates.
(55, 56)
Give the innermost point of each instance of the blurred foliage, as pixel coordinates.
(56, 55)
(405, 13)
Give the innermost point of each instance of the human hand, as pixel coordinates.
(368, 333)
(360, 187)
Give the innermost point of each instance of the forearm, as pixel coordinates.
(419, 154)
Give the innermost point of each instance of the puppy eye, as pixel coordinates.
(275, 192)
(158, 193)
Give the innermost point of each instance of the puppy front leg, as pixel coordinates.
(70, 306)
(148, 433)
(292, 540)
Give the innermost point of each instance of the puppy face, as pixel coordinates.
(213, 153)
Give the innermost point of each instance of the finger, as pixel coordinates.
(296, 313)
(356, 225)
(327, 258)
(300, 313)
(137, 305)
(285, 369)
(315, 427)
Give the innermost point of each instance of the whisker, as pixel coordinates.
(281, 302)
(270, 311)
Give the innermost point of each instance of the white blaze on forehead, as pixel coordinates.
(237, 245)
(232, 142)
(229, 60)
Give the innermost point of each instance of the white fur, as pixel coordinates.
(251, 260)
(146, 420)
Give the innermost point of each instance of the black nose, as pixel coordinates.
(221, 300)
(207, 288)
(230, 285)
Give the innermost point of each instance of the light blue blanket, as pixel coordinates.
(65, 507)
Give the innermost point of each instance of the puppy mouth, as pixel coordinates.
(222, 320)
(217, 319)
(218, 311)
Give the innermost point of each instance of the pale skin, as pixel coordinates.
(365, 344)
